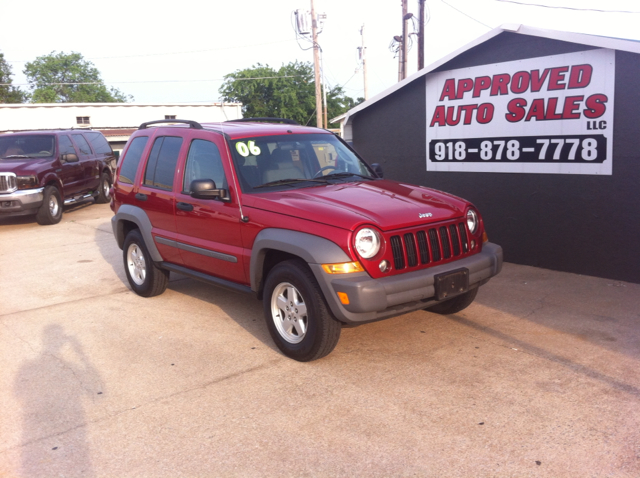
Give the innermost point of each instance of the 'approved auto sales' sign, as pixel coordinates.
(552, 114)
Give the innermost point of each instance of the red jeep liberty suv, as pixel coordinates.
(294, 216)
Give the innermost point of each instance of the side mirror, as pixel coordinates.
(69, 158)
(206, 189)
(377, 169)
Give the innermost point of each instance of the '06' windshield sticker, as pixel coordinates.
(245, 149)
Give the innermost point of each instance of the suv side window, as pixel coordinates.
(99, 143)
(204, 162)
(162, 162)
(65, 145)
(83, 146)
(132, 159)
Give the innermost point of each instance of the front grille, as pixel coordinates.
(429, 246)
(8, 182)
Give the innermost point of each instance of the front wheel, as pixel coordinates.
(296, 313)
(51, 210)
(145, 278)
(455, 305)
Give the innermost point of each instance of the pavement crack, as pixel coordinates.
(115, 414)
(121, 290)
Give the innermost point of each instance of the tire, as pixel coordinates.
(103, 190)
(455, 305)
(310, 331)
(51, 210)
(145, 278)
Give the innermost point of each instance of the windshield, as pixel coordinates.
(299, 160)
(26, 146)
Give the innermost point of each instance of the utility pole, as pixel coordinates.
(421, 35)
(363, 57)
(405, 38)
(316, 64)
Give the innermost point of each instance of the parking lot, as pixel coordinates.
(539, 377)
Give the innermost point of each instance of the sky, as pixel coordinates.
(179, 52)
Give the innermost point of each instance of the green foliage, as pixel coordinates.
(9, 93)
(291, 94)
(54, 78)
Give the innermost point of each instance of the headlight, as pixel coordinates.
(472, 221)
(367, 243)
(27, 182)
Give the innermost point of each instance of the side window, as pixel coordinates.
(204, 162)
(65, 145)
(162, 162)
(131, 160)
(83, 146)
(98, 143)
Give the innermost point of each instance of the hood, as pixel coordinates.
(388, 204)
(24, 166)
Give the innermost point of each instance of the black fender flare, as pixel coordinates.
(311, 249)
(137, 216)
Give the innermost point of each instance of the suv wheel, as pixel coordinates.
(51, 210)
(296, 313)
(145, 278)
(103, 190)
(455, 305)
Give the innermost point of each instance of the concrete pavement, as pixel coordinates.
(539, 377)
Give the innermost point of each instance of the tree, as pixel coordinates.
(9, 93)
(286, 93)
(69, 78)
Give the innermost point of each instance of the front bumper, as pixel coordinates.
(376, 299)
(23, 201)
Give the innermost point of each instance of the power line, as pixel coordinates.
(105, 83)
(466, 15)
(171, 52)
(566, 8)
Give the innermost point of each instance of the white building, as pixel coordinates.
(115, 120)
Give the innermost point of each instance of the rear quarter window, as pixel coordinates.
(131, 159)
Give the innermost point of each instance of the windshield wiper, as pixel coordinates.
(344, 174)
(288, 181)
(16, 156)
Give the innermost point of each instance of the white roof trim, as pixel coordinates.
(593, 40)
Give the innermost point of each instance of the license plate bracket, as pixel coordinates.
(450, 284)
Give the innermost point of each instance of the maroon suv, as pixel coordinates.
(41, 171)
(293, 216)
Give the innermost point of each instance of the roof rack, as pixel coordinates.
(192, 124)
(264, 120)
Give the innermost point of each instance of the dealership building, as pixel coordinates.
(538, 129)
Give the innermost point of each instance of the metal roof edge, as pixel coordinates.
(112, 105)
(586, 39)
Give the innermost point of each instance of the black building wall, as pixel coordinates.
(584, 224)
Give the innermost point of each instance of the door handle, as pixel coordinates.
(141, 197)
(184, 206)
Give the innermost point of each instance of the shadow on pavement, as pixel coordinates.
(51, 389)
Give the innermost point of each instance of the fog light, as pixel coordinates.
(384, 266)
(473, 244)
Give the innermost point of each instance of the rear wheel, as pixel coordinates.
(103, 190)
(145, 278)
(51, 210)
(296, 313)
(455, 305)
